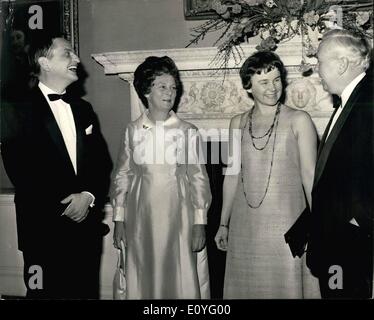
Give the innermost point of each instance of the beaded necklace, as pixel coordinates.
(268, 134)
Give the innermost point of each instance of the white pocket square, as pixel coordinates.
(89, 130)
(354, 222)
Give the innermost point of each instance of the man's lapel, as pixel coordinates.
(52, 127)
(79, 129)
(326, 146)
(323, 139)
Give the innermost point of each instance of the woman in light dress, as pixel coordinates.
(161, 193)
(262, 201)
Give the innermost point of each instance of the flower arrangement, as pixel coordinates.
(277, 21)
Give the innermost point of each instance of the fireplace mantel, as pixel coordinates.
(213, 96)
(187, 59)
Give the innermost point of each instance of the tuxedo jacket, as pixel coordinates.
(38, 164)
(344, 188)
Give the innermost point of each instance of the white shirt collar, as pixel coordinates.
(349, 89)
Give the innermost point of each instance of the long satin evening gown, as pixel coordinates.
(162, 197)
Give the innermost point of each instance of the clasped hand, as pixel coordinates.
(77, 209)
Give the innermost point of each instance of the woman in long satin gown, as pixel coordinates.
(161, 193)
(264, 199)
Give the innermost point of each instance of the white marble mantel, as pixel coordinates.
(208, 101)
(186, 58)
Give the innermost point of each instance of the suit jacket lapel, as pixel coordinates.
(323, 139)
(79, 128)
(324, 151)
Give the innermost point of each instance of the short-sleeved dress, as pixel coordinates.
(163, 194)
(259, 264)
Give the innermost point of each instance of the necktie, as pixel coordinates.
(65, 97)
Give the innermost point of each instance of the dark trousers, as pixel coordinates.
(354, 256)
(354, 287)
(64, 270)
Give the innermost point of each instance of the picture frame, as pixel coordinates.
(59, 17)
(70, 22)
(198, 9)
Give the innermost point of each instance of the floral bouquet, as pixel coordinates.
(277, 21)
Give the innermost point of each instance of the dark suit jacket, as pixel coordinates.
(344, 188)
(37, 162)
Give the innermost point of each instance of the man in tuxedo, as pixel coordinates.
(58, 161)
(340, 250)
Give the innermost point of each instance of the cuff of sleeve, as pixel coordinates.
(200, 216)
(93, 198)
(119, 214)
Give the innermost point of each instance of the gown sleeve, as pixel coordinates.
(198, 178)
(122, 177)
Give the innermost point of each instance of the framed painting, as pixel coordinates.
(201, 9)
(34, 17)
(198, 9)
(21, 23)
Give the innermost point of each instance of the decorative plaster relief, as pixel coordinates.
(213, 96)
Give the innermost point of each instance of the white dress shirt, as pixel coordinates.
(345, 96)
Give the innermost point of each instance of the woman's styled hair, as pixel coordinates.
(147, 72)
(259, 62)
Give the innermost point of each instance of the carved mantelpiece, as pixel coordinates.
(211, 96)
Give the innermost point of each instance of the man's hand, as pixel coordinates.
(78, 206)
(198, 237)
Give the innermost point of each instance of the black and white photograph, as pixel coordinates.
(168, 151)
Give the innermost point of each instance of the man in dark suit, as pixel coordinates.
(58, 161)
(340, 250)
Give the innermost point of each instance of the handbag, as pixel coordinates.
(297, 236)
(119, 280)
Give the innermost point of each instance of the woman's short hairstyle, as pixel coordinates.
(259, 62)
(147, 72)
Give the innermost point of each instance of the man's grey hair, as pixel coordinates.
(355, 47)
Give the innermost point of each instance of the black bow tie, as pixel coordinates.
(337, 101)
(65, 97)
